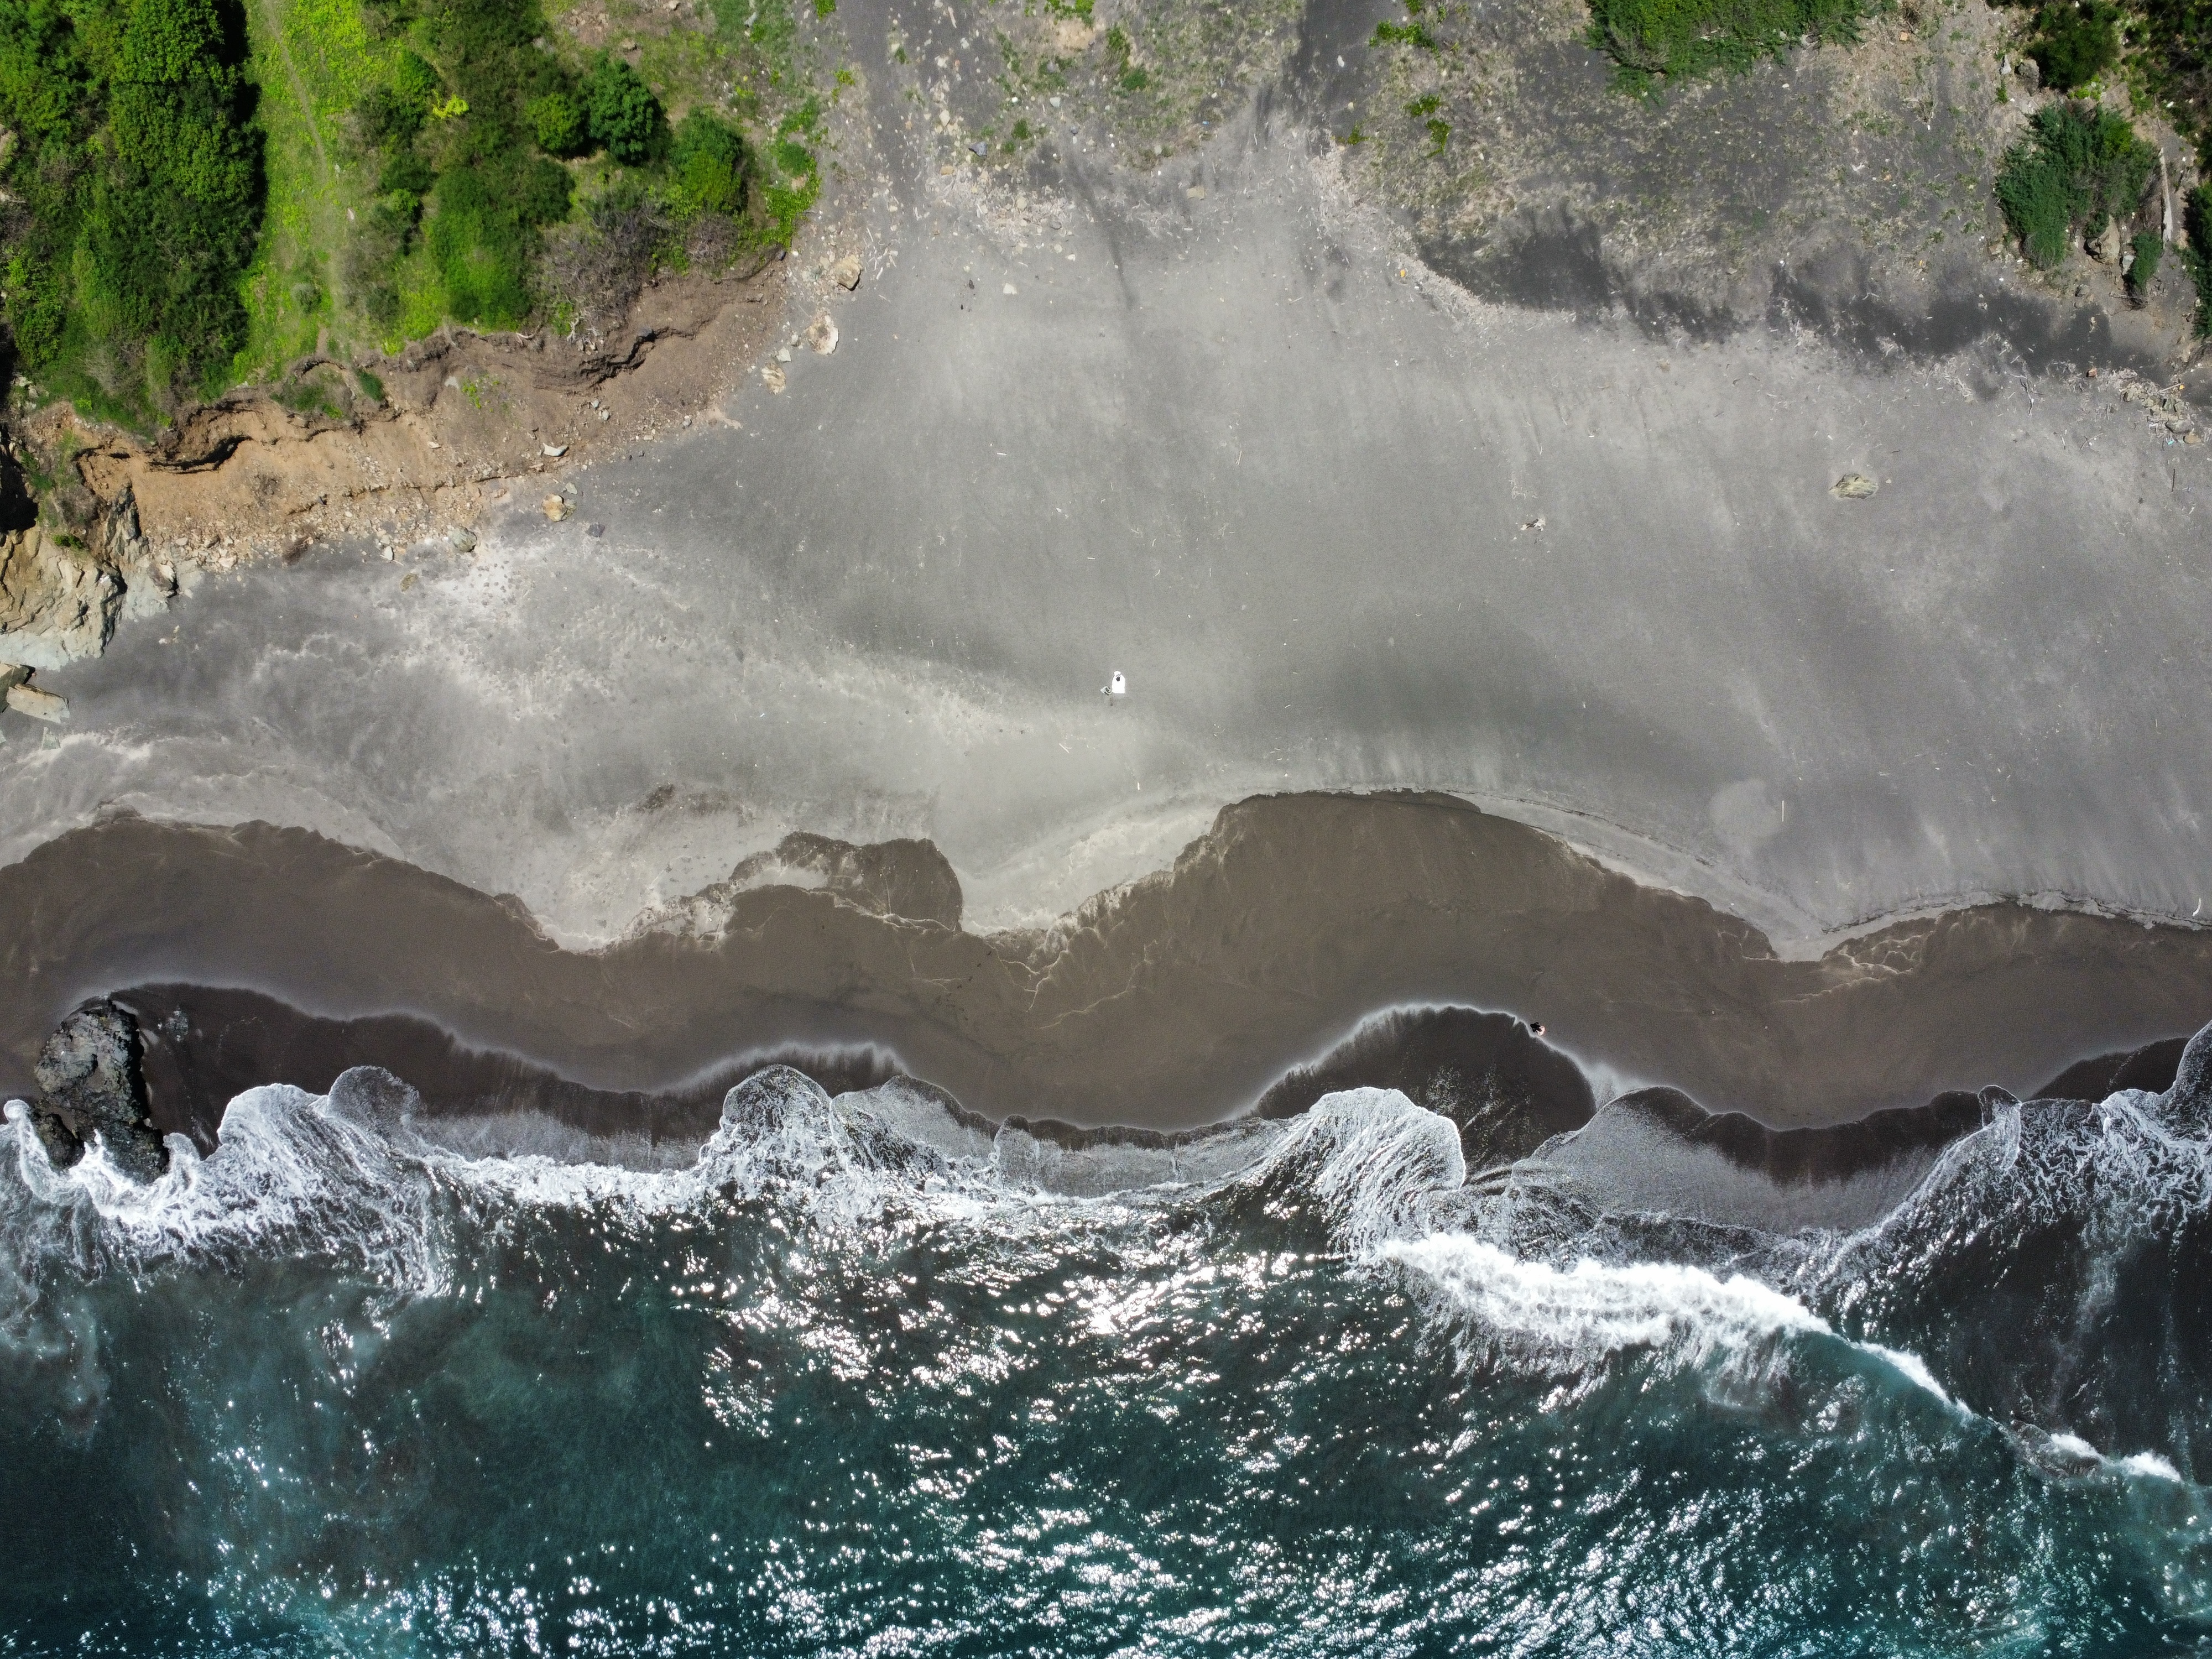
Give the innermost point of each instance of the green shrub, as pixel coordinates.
(2148, 247)
(622, 114)
(137, 159)
(557, 123)
(382, 118)
(2077, 163)
(414, 82)
(407, 173)
(2074, 42)
(1651, 39)
(706, 165)
(477, 240)
(542, 191)
(2197, 220)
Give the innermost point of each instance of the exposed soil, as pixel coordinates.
(464, 420)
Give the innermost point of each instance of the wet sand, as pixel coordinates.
(1179, 1001)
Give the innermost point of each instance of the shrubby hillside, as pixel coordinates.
(199, 191)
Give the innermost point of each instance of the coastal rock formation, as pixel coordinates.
(58, 601)
(25, 699)
(90, 1082)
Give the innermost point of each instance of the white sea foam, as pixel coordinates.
(1913, 1367)
(1375, 1165)
(1579, 1315)
(346, 1177)
(1571, 1320)
(2150, 1465)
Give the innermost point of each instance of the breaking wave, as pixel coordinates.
(872, 1374)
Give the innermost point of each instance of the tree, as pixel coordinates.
(622, 114)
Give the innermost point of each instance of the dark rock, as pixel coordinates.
(766, 1101)
(90, 1084)
(1506, 1089)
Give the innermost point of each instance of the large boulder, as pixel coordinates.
(90, 1082)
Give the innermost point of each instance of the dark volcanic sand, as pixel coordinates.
(1177, 1002)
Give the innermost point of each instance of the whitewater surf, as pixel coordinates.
(868, 1376)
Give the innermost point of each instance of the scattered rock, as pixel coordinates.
(555, 509)
(38, 705)
(2165, 408)
(595, 530)
(1196, 192)
(461, 541)
(783, 354)
(1853, 487)
(90, 1084)
(846, 272)
(822, 335)
(772, 377)
(1008, 288)
(556, 451)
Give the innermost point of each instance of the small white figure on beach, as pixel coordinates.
(1117, 685)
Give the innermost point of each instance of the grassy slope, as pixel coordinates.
(312, 58)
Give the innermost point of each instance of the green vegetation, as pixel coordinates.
(1651, 41)
(1424, 109)
(1403, 35)
(2074, 42)
(2160, 50)
(2198, 221)
(2077, 164)
(133, 146)
(199, 192)
(622, 113)
(2146, 248)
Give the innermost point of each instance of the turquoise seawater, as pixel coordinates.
(863, 1381)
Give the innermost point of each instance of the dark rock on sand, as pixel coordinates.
(1508, 1091)
(90, 1084)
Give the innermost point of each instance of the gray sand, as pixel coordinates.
(1343, 528)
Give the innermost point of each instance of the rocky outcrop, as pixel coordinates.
(61, 597)
(90, 1084)
(58, 599)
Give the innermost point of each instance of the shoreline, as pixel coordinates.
(1178, 1000)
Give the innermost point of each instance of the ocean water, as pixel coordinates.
(863, 1380)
